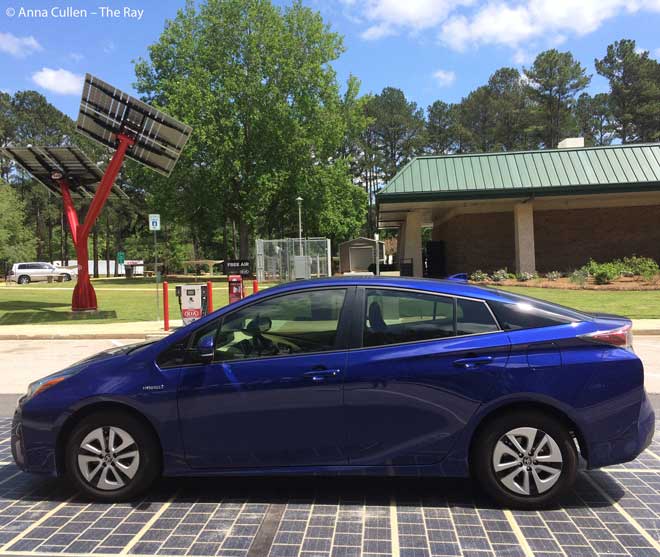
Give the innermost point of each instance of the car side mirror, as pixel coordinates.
(204, 348)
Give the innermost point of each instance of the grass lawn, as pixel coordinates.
(121, 301)
(118, 300)
(639, 304)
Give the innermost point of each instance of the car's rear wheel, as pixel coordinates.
(112, 456)
(24, 279)
(66, 277)
(525, 459)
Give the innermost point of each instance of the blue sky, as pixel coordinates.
(432, 49)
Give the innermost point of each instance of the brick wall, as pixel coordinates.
(479, 241)
(564, 239)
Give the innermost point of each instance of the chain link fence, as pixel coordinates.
(288, 259)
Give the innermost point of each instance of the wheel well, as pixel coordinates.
(535, 407)
(85, 411)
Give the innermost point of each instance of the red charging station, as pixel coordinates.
(235, 283)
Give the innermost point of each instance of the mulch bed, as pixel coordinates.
(622, 284)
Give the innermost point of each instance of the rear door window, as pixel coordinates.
(395, 316)
(473, 317)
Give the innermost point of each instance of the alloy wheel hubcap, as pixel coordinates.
(527, 461)
(108, 458)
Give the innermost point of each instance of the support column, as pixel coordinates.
(413, 242)
(523, 217)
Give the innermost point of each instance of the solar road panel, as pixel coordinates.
(72, 163)
(106, 111)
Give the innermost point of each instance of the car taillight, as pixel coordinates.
(621, 337)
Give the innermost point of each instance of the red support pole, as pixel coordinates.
(69, 209)
(166, 306)
(209, 296)
(84, 297)
(255, 286)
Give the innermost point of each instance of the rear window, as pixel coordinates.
(526, 314)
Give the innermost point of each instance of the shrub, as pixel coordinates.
(500, 275)
(605, 273)
(479, 276)
(553, 275)
(579, 276)
(524, 277)
(641, 266)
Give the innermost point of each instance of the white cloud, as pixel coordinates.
(76, 56)
(444, 78)
(390, 17)
(462, 24)
(513, 24)
(62, 82)
(19, 47)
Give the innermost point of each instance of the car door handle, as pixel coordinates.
(318, 375)
(469, 363)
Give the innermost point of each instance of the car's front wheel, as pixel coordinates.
(66, 277)
(525, 459)
(112, 456)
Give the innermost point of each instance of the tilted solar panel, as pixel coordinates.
(106, 111)
(45, 162)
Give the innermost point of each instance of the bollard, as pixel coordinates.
(166, 306)
(255, 286)
(209, 297)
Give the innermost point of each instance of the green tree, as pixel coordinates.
(555, 79)
(440, 128)
(397, 129)
(17, 243)
(478, 121)
(512, 109)
(594, 118)
(634, 80)
(255, 82)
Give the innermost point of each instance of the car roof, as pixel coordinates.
(440, 286)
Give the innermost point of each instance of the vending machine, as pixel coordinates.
(193, 301)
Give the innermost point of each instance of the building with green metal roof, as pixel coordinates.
(528, 210)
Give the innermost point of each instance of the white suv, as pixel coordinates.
(24, 273)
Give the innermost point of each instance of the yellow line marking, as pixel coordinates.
(148, 525)
(35, 524)
(394, 528)
(635, 470)
(654, 455)
(527, 550)
(10, 477)
(642, 531)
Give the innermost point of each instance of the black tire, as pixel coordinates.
(24, 279)
(483, 456)
(149, 456)
(66, 277)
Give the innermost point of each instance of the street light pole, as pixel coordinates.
(300, 200)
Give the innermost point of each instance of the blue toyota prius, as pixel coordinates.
(356, 376)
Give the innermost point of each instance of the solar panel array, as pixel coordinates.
(42, 162)
(106, 111)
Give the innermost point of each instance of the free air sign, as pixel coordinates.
(154, 221)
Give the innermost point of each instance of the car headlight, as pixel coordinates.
(44, 384)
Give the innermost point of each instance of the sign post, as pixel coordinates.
(154, 224)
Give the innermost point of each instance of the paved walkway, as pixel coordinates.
(82, 330)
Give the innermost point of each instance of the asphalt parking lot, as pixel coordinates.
(611, 512)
